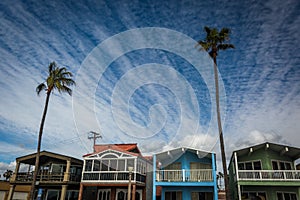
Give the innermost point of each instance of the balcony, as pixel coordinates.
(197, 175)
(45, 177)
(269, 175)
(112, 176)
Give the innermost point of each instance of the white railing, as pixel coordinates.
(283, 175)
(184, 175)
(112, 176)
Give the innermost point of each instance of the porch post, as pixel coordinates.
(133, 191)
(80, 192)
(67, 172)
(63, 192)
(237, 176)
(14, 176)
(154, 178)
(11, 192)
(214, 171)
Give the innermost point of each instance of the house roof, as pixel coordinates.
(130, 148)
(167, 157)
(46, 156)
(284, 150)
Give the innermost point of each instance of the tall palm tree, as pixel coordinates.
(58, 79)
(213, 42)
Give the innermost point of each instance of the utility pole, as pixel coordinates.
(94, 137)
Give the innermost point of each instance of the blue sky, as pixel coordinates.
(141, 79)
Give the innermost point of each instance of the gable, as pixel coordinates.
(110, 153)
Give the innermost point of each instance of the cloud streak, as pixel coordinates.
(261, 76)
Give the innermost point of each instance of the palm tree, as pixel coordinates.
(7, 175)
(58, 79)
(213, 42)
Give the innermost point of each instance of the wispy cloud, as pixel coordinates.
(261, 76)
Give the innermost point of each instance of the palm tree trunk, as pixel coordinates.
(222, 146)
(37, 159)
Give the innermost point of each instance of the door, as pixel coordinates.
(121, 194)
(104, 194)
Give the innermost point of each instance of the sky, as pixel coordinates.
(140, 78)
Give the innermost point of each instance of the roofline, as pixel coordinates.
(261, 144)
(184, 147)
(47, 152)
(283, 145)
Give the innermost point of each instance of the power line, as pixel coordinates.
(94, 137)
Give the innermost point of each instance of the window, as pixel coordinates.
(88, 165)
(104, 194)
(281, 165)
(121, 165)
(130, 163)
(121, 194)
(96, 166)
(257, 165)
(202, 195)
(113, 165)
(241, 166)
(53, 195)
(174, 166)
(194, 165)
(254, 195)
(71, 195)
(251, 165)
(248, 166)
(286, 196)
(173, 195)
(104, 165)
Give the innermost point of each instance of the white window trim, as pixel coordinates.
(126, 191)
(256, 192)
(278, 161)
(103, 190)
(282, 192)
(252, 162)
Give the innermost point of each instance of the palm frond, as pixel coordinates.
(204, 45)
(225, 46)
(68, 81)
(66, 89)
(207, 30)
(51, 67)
(40, 87)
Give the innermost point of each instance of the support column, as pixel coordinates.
(237, 176)
(67, 172)
(154, 178)
(63, 192)
(133, 191)
(11, 192)
(214, 171)
(80, 192)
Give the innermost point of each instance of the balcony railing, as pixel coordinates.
(197, 175)
(46, 177)
(112, 176)
(278, 175)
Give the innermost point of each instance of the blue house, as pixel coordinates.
(184, 173)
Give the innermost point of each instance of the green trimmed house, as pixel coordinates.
(266, 171)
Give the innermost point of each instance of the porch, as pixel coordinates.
(112, 176)
(269, 175)
(185, 175)
(26, 177)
